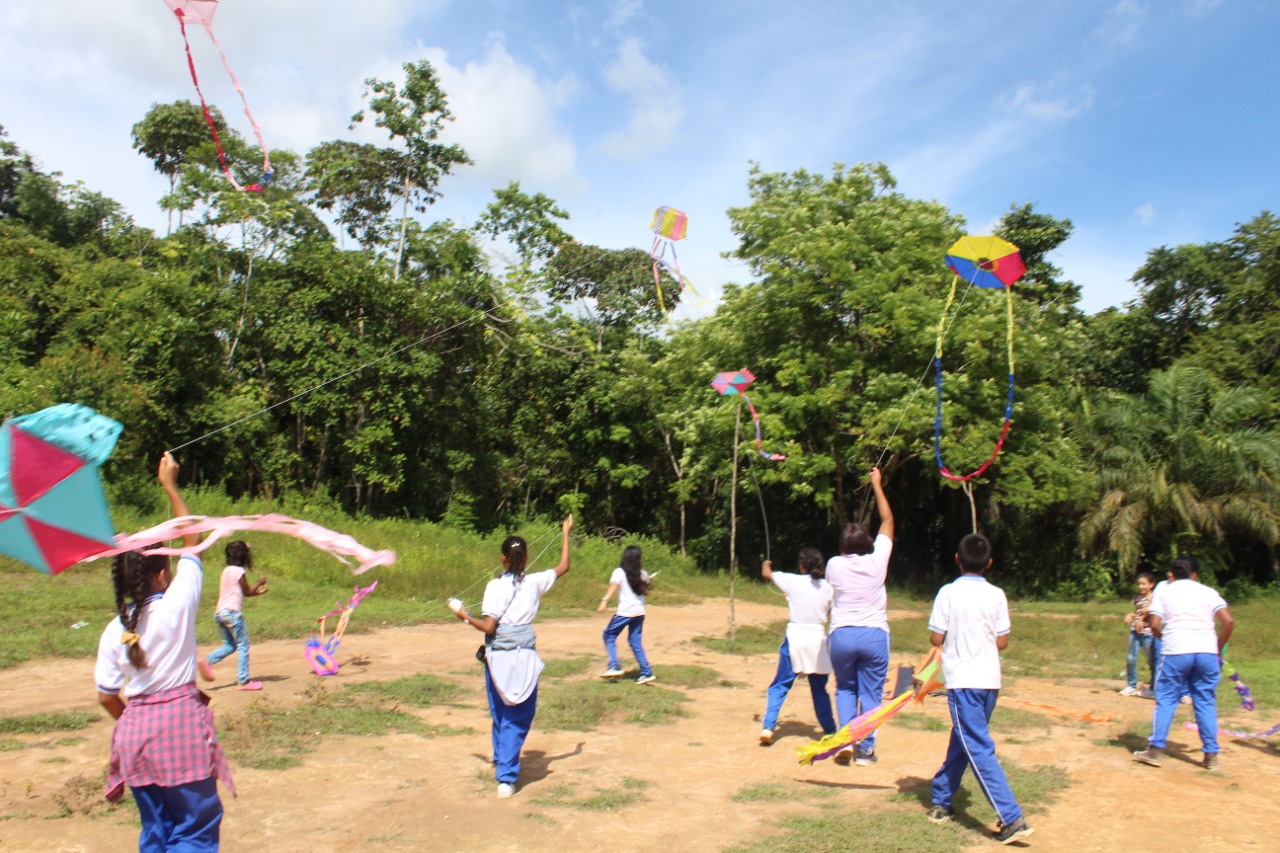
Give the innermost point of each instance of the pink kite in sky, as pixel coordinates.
(201, 12)
(736, 382)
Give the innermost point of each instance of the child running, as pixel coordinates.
(512, 665)
(233, 589)
(164, 746)
(804, 649)
(631, 582)
(970, 622)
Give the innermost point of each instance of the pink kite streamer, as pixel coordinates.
(339, 545)
(1192, 727)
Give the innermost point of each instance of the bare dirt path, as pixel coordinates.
(404, 792)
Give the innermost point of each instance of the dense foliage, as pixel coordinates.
(416, 375)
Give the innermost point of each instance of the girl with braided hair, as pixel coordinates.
(512, 665)
(163, 746)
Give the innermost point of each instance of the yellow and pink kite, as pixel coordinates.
(669, 226)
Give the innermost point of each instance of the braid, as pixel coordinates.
(131, 575)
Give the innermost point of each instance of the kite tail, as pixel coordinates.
(861, 726)
(339, 545)
(1192, 727)
(208, 116)
(656, 252)
(1246, 695)
(772, 457)
(257, 131)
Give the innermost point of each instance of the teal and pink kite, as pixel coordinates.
(736, 382)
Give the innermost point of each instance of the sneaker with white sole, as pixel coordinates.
(1146, 694)
(645, 679)
(766, 737)
(1211, 761)
(611, 672)
(1015, 831)
(844, 756)
(865, 757)
(941, 814)
(506, 790)
(1129, 691)
(1151, 755)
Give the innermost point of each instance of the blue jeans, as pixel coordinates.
(971, 746)
(860, 658)
(1137, 642)
(1194, 675)
(511, 724)
(182, 818)
(635, 636)
(235, 638)
(781, 686)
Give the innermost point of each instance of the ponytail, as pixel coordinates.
(517, 554)
(812, 562)
(131, 574)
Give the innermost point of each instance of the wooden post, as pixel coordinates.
(733, 526)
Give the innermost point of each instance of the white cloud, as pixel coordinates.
(1122, 23)
(623, 11)
(508, 122)
(1145, 215)
(655, 109)
(1027, 101)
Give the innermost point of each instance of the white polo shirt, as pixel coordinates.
(629, 603)
(971, 613)
(1187, 608)
(808, 599)
(514, 603)
(167, 634)
(858, 580)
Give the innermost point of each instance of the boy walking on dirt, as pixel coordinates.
(970, 622)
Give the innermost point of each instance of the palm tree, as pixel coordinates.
(1180, 467)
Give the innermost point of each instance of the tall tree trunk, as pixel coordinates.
(733, 527)
(404, 224)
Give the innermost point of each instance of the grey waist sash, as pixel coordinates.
(509, 637)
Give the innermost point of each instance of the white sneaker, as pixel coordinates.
(1129, 691)
(506, 790)
(611, 673)
(1185, 700)
(766, 737)
(645, 679)
(1146, 694)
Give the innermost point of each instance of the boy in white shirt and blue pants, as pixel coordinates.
(970, 622)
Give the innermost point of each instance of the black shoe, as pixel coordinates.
(941, 814)
(1015, 831)
(865, 757)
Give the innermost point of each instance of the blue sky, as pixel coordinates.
(1144, 122)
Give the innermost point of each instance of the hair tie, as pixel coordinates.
(128, 638)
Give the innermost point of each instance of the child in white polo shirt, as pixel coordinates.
(970, 622)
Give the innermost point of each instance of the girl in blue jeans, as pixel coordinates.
(233, 589)
(631, 582)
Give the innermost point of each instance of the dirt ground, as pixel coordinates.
(404, 792)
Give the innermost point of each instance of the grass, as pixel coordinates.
(629, 793)
(565, 667)
(692, 676)
(749, 640)
(777, 792)
(50, 721)
(580, 706)
(269, 736)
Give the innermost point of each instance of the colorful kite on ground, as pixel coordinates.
(736, 382)
(339, 545)
(864, 724)
(201, 12)
(1192, 727)
(991, 263)
(321, 651)
(1246, 695)
(669, 225)
(52, 509)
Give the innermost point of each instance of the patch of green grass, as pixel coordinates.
(602, 799)
(764, 792)
(921, 722)
(582, 705)
(272, 737)
(83, 795)
(1006, 719)
(890, 830)
(749, 640)
(50, 721)
(55, 759)
(565, 667)
(11, 744)
(541, 818)
(688, 675)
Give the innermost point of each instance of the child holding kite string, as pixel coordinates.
(631, 582)
(804, 649)
(512, 665)
(163, 746)
(233, 588)
(970, 623)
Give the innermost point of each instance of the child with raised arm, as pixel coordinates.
(512, 665)
(970, 622)
(164, 746)
(804, 649)
(631, 582)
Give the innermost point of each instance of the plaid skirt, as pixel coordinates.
(166, 739)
